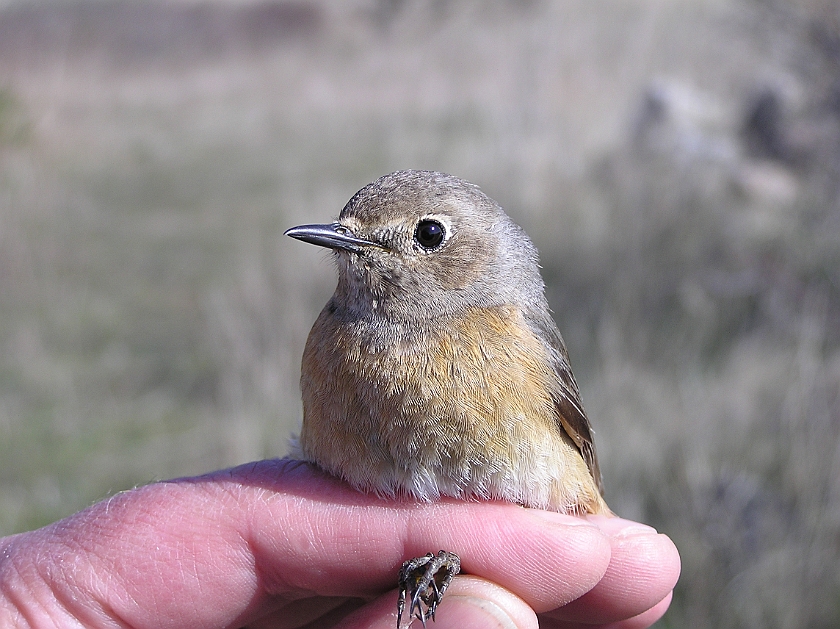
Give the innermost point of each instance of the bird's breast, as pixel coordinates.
(459, 406)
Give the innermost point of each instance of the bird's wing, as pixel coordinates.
(566, 396)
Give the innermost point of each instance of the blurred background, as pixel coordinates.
(676, 162)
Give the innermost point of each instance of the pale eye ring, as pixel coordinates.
(429, 234)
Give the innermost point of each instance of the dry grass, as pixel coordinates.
(677, 164)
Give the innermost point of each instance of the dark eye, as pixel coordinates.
(429, 234)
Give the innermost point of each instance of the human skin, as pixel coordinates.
(280, 544)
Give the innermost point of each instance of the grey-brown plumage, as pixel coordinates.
(436, 368)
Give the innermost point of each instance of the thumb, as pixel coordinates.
(470, 603)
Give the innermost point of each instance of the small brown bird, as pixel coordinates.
(436, 369)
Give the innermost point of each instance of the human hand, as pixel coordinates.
(280, 544)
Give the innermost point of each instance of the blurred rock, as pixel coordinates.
(677, 119)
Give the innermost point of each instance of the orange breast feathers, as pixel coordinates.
(465, 409)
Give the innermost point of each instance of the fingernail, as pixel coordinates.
(475, 603)
(471, 612)
(560, 518)
(619, 527)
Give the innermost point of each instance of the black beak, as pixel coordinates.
(334, 236)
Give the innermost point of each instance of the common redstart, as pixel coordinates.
(436, 368)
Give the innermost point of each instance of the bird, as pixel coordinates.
(436, 368)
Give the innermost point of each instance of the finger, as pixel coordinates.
(548, 559)
(347, 543)
(470, 603)
(231, 547)
(642, 621)
(309, 612)
(643, 570)
(646, 618)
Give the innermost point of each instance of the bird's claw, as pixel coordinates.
(424, 581)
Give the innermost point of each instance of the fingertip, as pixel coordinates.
(646, 618)
(640, 621)
(655, 553)
(567, 557)
(644, 569)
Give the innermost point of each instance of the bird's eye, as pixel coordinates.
(429, 234)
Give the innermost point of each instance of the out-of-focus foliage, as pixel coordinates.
(677, 164)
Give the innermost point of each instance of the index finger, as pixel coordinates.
(347, 543)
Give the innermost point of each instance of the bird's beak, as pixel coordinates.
(334, 236)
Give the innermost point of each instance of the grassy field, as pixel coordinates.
(677, 164)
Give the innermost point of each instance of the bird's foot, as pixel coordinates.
(424, 581)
